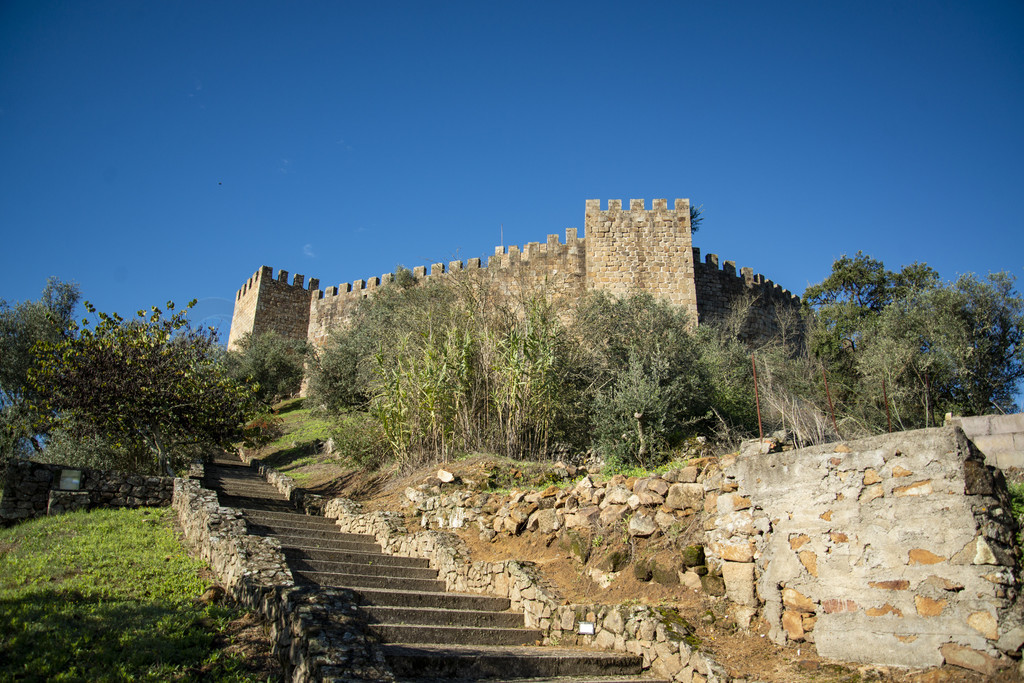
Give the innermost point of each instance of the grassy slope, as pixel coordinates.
(106, 595)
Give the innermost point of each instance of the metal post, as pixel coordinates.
(831, 408)
(757, 402)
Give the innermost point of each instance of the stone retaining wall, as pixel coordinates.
(646, 505)
(315, 632)
(895, 550)
(659, 638)
(32, 489)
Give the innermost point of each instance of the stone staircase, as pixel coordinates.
(425, 632)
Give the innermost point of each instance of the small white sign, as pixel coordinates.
(586, 628)
(70, 480)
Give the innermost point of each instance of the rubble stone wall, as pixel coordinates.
(32, 489)
(641, 630)
(894, 550)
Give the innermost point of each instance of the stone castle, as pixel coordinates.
(622, 251)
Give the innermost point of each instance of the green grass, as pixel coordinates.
(106, 595)
(300, 426)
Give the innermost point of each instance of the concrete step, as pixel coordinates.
(442, 617)
(468, 662)
(355, 581)
(454, 635)
(431, 599)
(304, 542)
(355, 557)
(364, 568)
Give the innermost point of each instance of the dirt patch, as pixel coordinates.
(248, 639)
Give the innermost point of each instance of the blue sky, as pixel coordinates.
(165, 150)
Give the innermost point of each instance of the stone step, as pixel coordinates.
(432, 635)
(454, 635)
(304, 543)
(289, 518)
(242, 490)
(364, 568)
(356, 557)
(341, 580)
(259, 503)
(313, 533)
(234, 474)
(431, 599)
(442, 617)
(466, 662)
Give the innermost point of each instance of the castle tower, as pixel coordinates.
(264, 304)
(641, 250)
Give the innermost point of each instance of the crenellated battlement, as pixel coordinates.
(757, 283)
(657, 205)
(623, 250)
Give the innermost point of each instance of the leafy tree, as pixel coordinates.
(275, 365)
(22, 326)
(908, 341)
(149, 384)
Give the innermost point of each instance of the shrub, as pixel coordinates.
(272, 363)
(358, 438)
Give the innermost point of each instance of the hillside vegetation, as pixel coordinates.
(430, 371)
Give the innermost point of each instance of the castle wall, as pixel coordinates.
(722, 291)
(553, 267)
(623, 251)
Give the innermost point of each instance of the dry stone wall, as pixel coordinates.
(317, 633)
(895, 550)
(623, 251)
(32, 489)
(659, 638)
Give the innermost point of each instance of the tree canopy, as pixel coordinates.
(145, 385)
(929, 347)
(22, 326)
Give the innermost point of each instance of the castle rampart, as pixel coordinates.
(622, 251)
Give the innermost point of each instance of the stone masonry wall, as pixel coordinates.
(32, 489)
(640, 250)
(895, 550)
(721, 291)
(266, 304)
(316, 633)
(624, 251)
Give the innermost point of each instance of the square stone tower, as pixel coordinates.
(642, 250)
